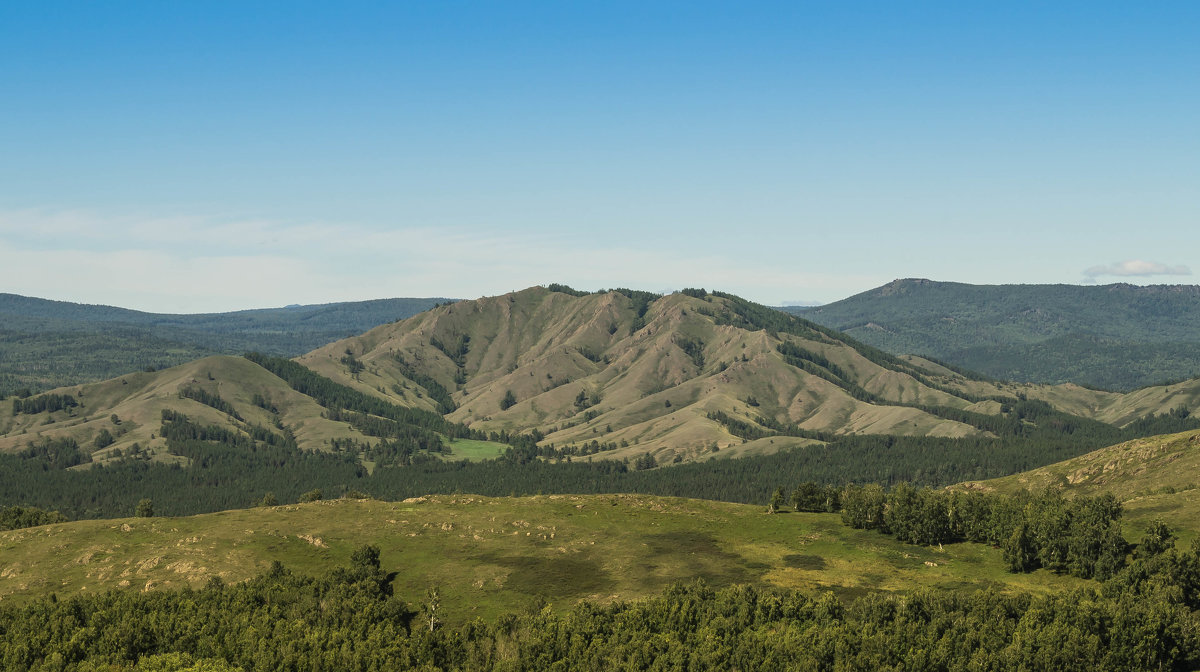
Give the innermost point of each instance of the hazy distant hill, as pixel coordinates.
(1112, 336)
(45, 344)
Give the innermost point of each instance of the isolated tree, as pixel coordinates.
(313, 495)
(103, 439)
(1158, 539)
(508, 401)
(269, 500)
(145, 509)
(433, 604)
(777, 500)
(1020, 553)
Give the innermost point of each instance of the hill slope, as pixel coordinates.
(46, 344)
(1155, 478)
(675, 375)
(642, 379)
(1113, 336)
(647, 373)
(491, 555)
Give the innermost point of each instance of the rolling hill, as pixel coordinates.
(563, 383)
(1116, 336)
(491, 555)
(46, 344)
(1155, 477)
(652, 373)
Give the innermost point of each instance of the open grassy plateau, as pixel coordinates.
(491, 555)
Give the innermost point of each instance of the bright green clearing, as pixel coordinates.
(475, 451)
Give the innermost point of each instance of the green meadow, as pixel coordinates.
(492, 555)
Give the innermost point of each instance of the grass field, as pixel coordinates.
(491, 555)
(470, 449)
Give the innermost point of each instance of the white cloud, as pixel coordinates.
(191, 264)
(1136, 268)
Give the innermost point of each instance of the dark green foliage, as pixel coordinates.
(416, 437)
(433, 388)
(53, 343)
(333, 395)
(234, 475)
(641, 303)
(508, 401)
(349, 620)
(352, 364)
(1172, 422)
(103, 440)
(227, 469)
(1112, 336)
(456, 350)
(197, 393)
(821, 367)
(777, 500)
(817, 498)
(17, 517)
(1158, 539)
(590, 354)
(54, 454)
(1079, 536)
(563, 289)
(44, 403)
(262, 402)
(646, 461)
(693, 348)
(145, 509)
(694, 292)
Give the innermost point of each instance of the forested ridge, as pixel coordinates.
(46, 344)
(1114, 336)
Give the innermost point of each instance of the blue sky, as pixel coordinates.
(222, 155)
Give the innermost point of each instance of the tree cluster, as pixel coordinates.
(1079, 536)
(43, 403)
(349, 619)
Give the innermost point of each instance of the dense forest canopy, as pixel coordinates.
(1117, 337)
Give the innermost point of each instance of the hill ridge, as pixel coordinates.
(1116, 336)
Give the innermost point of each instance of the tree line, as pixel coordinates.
(349, 619)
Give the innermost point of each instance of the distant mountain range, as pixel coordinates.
(550, 376)
(1116, 337)
(45, 344)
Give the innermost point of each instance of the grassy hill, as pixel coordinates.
(1112, 336)
(491, 555)
(642, 371)
(650, 373)
(592, 392)
(46, 344)
(1155, 478)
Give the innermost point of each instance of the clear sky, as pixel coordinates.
(201, 156)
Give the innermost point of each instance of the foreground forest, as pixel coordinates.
(349, 619)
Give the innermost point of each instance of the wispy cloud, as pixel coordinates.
(1136, 268)
(188, 264)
